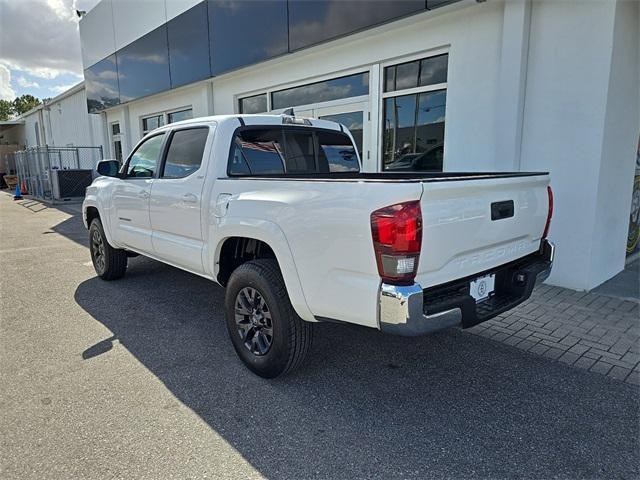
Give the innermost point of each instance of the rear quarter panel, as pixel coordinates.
(326, 226)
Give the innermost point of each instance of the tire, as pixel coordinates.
(290, 335)
(109, 263)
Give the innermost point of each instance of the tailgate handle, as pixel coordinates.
(501, 210)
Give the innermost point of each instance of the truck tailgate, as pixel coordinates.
(470, 226)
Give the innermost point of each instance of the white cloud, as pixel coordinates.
(24, 83)
(41, 37)
(6, 92)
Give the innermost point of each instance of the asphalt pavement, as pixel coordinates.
(137, 379)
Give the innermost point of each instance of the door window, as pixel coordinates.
(144, 160)
(184, 155)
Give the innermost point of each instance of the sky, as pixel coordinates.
(40, 46)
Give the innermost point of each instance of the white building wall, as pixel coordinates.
(67, 122)
(618, 152)
(33, 122)
(568, 96)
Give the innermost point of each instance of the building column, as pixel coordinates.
(512, 83)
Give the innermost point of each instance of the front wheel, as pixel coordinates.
(109, 263)
(267, 334)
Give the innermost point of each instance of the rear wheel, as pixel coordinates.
(267, 334)
(109, 263)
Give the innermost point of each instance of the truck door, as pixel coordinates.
(131, 196)
(176, 199)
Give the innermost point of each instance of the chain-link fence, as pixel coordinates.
(53, 173)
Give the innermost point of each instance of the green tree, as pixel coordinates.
(6, 110)
(24, 103)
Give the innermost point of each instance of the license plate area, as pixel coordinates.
(483, 287)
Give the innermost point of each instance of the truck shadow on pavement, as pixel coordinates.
(366, 404)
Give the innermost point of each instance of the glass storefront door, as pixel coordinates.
(354, 116)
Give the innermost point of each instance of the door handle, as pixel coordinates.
(189, 198)
(143, 194)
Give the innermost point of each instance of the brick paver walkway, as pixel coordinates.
(586, 330)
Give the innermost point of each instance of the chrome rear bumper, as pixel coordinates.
(408, 311)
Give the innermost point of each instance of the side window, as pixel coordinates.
(257, 152)
(184, 155)
(144, 160)
(337, 150)
(300, 155)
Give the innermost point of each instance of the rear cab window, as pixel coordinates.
(278, 151)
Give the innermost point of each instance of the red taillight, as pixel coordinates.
(397, 238)
(550, 212)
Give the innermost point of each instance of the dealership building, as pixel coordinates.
(464, 85)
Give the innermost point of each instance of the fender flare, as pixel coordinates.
(271, 234)
(91, 202)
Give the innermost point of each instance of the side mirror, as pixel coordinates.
(108, 168)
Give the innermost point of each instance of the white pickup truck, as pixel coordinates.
(275, 209)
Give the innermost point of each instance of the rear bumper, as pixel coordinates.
(412, 311)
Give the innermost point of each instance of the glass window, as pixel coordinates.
(255, 104)
(314, 21)
(246, 32)
(344, 87)
(185, 114)
(407, 75)
(433, 70)
(353, 121)
(185, 151)
(413, 137)
(414, 131)
(295, 151)
(143, 162)
(419, 73)
(143, 66)
(101, 85)
(115, 128)
(299, 152)
(151, 123)
(188, 39)
(257, 152)
(337, 150)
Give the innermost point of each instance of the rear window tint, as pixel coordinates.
(286, 150)
(337, 150)
(300, 154)
(257, 152)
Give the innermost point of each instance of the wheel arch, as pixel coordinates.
(91, 211)
(271, 240)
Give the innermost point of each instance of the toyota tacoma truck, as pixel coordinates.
(275, 209)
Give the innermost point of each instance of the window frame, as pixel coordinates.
(167, 146)
(125, 166)
(165, 118)
(309, 81)
(382, 95)
(283, 129)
